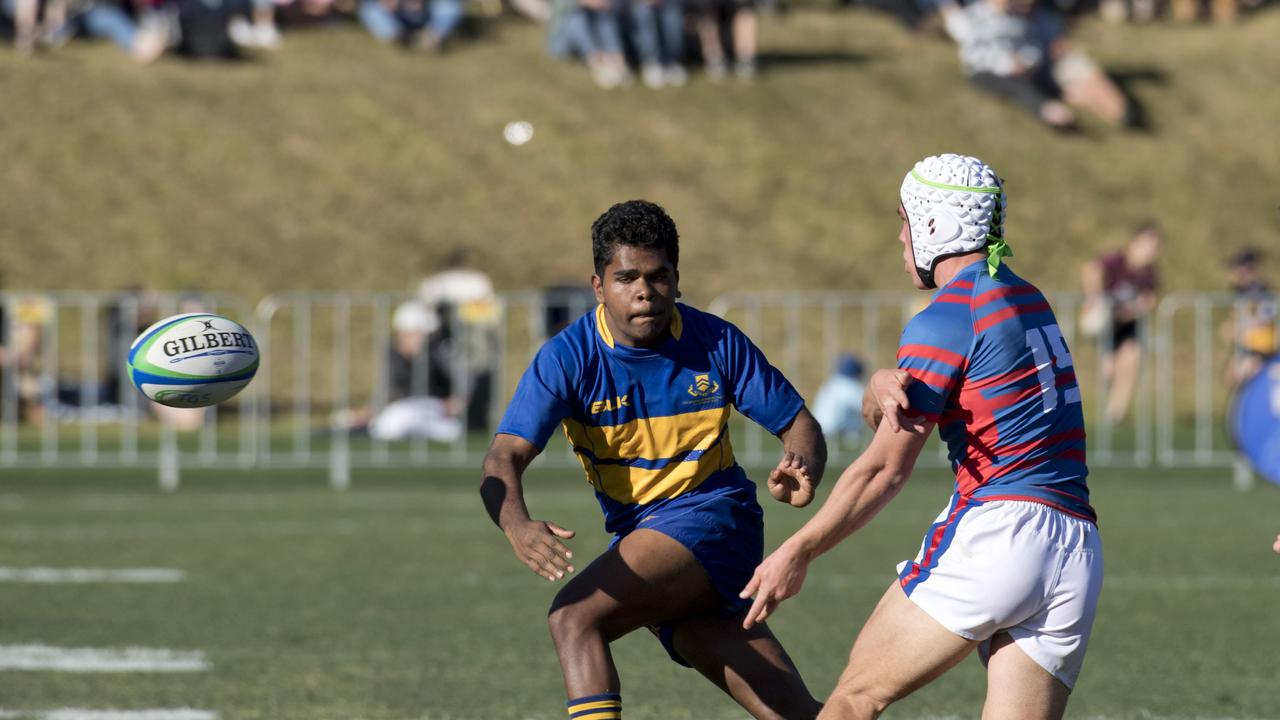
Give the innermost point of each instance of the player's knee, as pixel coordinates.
(858, 702)
(568, 621)
(790, 705)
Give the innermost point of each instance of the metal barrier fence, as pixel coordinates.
(325, 381)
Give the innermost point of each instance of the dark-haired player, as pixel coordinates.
(643, 387)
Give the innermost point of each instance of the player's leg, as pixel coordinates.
(1018, 688)
(1127, 361)
(900, 649)
(646, 579)
(750, 665)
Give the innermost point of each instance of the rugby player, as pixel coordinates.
(643, 387)
(1013, 566)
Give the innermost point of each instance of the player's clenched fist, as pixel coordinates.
(886, 397)
(537, 544)
(792, 482)
(779, 577)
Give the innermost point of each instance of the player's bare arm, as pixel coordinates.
(804, 459)
(886, 397)
(535, 542)
(864, 488)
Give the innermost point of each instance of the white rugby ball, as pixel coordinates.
(193, 360)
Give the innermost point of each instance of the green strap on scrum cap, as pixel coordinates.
(997, 248)
(995, 251)
(961, 188)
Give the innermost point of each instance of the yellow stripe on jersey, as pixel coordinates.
(640, 461)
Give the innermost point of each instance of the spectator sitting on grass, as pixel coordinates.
(412, 22)
(418, 381)
(657, 28)
(743, 26)
(1019, 51)
(55, 22)
(259, 29)
(590, 30)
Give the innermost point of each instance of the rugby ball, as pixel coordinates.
(193, 360)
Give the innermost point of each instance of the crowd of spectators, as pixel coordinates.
(1016, 49)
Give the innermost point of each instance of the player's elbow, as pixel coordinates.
(890, 477)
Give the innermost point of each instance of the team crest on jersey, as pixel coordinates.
(704, 389)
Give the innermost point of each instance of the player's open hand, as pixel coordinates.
(886, 397)
(776, 579)
(791, 482)
(537, 544)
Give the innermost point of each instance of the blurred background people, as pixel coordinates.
(591, 31)
(1019, 51)
(52, 23)
(22, 377)
(710, 19)
(1121, 287)
(421, 403)
(420, 24)
(258, 30)
(1251, 328)
(838, 404)
(657, 28)
(467, 306)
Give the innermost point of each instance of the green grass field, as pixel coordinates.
(398, 600)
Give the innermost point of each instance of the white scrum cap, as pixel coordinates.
(955, 205)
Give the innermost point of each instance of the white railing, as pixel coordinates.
(65, 400)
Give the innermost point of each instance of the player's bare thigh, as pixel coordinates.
(900, 649)
(1018, 688)
(646, 579)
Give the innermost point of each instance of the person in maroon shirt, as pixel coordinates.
(1123, 284)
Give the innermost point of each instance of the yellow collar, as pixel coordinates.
(677, 325)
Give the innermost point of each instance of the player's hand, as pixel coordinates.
(776, 579)
(791, 481)
(1276, 547)
(886, 398)
(537, 544)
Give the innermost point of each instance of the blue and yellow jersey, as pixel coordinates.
(650, 424)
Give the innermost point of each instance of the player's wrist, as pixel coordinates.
(801, 547)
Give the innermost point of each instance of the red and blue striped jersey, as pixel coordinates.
(992, 369)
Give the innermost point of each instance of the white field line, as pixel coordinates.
(49, 575)
(86, 714)
(90, 660)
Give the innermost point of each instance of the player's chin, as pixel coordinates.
(648, 327)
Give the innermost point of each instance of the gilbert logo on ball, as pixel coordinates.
(193, 360)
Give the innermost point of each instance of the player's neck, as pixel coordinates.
(947, 269)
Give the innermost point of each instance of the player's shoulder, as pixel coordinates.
(571, 347)
(704, 327)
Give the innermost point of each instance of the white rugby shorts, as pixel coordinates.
(1016, 567)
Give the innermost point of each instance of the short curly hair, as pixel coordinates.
(636, 223)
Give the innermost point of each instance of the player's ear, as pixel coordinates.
(678, 293)
(598, 286)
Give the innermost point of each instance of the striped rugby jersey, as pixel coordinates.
(993, 371)
(650, 424)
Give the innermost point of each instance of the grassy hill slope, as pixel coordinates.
(337, 163)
